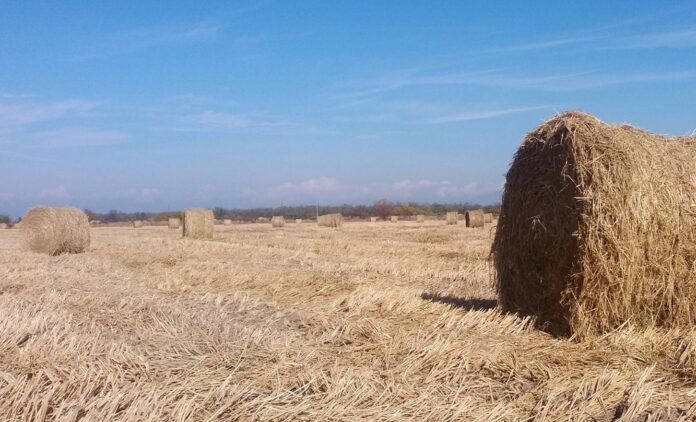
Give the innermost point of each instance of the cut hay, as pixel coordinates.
(487, 217)
(174, 223)
(298, 221)
(3, 226)
(420, 218)
(227, 222)
(373, 219)
(56, 230)
(394, 219)
(452, 217)
(474, 218)
(330, 220)
(598, 228)
(137, 224)
(198, 223)
(278, 221)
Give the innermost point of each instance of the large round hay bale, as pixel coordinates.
(198, 223)
(474, 218)
(174, 223)
(56, 230)
(278, 221)
(330, 220)
(598, 228)
(452, 217)
(487, 217)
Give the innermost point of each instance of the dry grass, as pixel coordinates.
(376, 322)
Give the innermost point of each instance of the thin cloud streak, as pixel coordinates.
(480, 115)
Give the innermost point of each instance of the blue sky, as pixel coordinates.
(156, 105)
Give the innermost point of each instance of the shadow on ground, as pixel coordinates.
(461, 302)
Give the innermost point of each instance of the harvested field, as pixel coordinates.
(377, 322)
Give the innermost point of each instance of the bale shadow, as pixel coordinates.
(473, 304)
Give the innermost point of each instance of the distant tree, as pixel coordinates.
(383, 208)
(405, 210)
(219, 213)
(5, 219)
(91, 215)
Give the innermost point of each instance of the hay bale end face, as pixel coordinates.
(452, 217)
(174, 223)
(55, 231)
(488, 218)
(598, 228)
(474, 218)
(278, 221)
(198, 223)
(330, 220)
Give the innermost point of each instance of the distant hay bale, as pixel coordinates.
(330, 220)
(420, 218)
(227, 222)
(278, 221)
(373, 219)
(394, 219)
(198, 223)
(298, 221)
(598, 228)
(487, 217)
(452, 217)
(56, 230)
(262, 220)
(174, 223)
(474, 218)
(137, 223)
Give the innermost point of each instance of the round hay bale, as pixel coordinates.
(298, 221)
(420, 218)
(394, 219)
(487, 217)
(278, 221)
(137, 224)
(174, 223)
(227, 222)
(598, 228)
(198, 223)
(56, 230)
(452, 217)
(474, 218)
(330, 220)
(373, 219)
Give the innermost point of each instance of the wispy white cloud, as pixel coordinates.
(487, 114)
(22, 113)
(680, 38)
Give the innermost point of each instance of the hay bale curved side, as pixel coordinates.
(487, 218)
(420, 218)
(394, 219)
(452, 217)
(174, 223)
(198, 223)
(598, 228)
(278, 221)
(55, 231)
(330, 220)
(137, 224)
(474, 218)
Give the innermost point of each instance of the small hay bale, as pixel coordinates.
(262, 220)
(278, 221)
(394, 219)
(174, 223)
(452, 217)
(227, 222)
(487, 217)
(330, 220)
(598, 228)
(474, 218)
(420, 218)
(298, 221)
(137, 224)
(56, 230)
(198, 223)
(373, 219)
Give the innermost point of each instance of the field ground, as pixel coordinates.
(374, 321)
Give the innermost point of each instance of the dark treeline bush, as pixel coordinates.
(380, 208)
